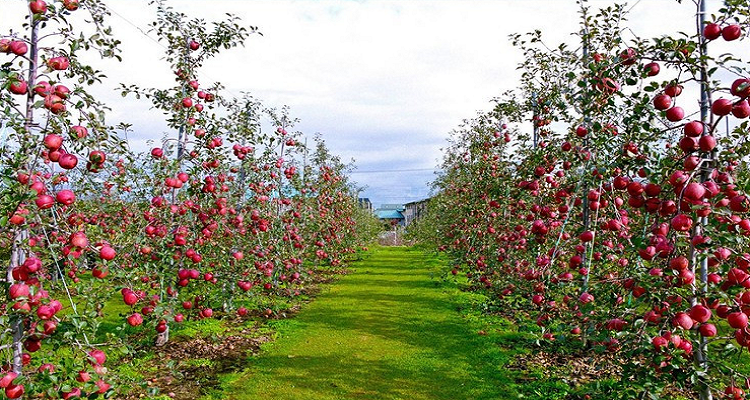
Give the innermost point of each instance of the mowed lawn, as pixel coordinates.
(388, 330)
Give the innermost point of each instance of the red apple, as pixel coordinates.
(52, 141)
(673, 89)
(71, 5)
(107, 253)
(741, 110)
(44, 201)
(18, 87)
(693, 129)
(18, 47)
(711, 31)
(14, 391)
(707, 143)
(737, 320)
(7, 379)
(78, 132)
(731, 32)
(68, 161)
(662, 102)
(38, 7)
(135, 319)
(628, 56)
(65, 197)
(652, 69)
(721, 107)
(700, 313)
(681, 223)
(194, 45)
(675, 114)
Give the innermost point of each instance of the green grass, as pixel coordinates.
(389, 330)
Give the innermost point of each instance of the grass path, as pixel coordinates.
(386, 331)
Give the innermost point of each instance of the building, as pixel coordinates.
(365, 203)
(391, 213)
(414, 211)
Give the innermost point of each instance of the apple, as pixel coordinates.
(737, 320)
(62, 91)
(682, 320)
(675, 114)
(71, 5)
(652, 69)
(673, 89)
(700, 313)
(695, 192)
(662, 102)
(707, 143)
(194, 45)
(38, 7)
(18, 87)
(97, 157)
(103, 386)
(187, 102)
(83, 376)
(242, 311)
(54, 103)
(68, 161)
(107, 253)
(628, 56)
(44, 201)
(45, 312)
(711, 31)
(52, 141)
(135, 319)
(65, 197)
(19, 290)
(98, 357)
(721, 107)
(18, 47)
(14, 391)
(731, 32)
(8, 379)
(693, 128)
(78, 239)
(681, 223)
(59, 63)
(78, 132)
(741, 110)
(43, 88)
(157, 152)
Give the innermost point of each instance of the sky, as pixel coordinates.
(384, 82)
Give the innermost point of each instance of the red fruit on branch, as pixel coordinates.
(741, 87)
(737, 320)
(721, 107)
(38, 7)
(652, 69)
(628, 56)
(731, 32)
(65, 197)
(711, 31)
(681, 223)
(662, 102)
(700, 313)
(673, 89)
(675, 114)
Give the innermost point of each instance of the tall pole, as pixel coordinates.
(701, 269)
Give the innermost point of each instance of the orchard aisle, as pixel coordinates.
(385, 331)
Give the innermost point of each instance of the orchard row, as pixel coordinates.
(212, 217)
(621, 224)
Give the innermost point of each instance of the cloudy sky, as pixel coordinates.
(384, 82)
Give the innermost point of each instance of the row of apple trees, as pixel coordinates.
(620, 223)
(220, 211)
